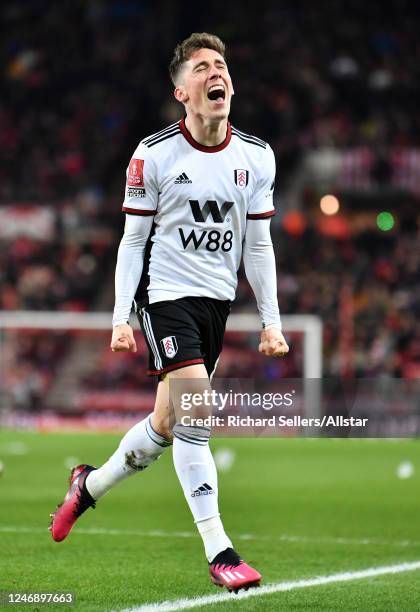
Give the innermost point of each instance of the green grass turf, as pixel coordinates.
(319, 490)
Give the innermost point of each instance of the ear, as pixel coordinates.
(180, 94)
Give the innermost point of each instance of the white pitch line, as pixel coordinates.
(197, 602)
(159, 533)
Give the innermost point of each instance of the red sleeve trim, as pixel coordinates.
(136, 211)
(175, 366)
(264, 215)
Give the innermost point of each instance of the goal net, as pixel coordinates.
(57, 370)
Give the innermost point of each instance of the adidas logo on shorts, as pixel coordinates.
(182, 178)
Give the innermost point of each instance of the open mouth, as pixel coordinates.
(216, 93)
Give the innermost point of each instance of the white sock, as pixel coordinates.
(140, 446)
(214, 537)
(196, 470)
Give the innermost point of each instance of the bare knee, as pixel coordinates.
(162, 417)
(162, 425)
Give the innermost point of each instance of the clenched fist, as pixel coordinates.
(273, 343)
(123, 338)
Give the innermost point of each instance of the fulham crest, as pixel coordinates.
(169, 346)
(241, 178)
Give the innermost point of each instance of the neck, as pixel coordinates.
(206, 132)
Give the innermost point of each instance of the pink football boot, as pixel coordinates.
(227, 569)
(76, 501)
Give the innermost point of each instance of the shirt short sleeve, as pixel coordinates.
(261, 204)
(141, 187)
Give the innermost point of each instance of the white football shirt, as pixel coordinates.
(201, 198)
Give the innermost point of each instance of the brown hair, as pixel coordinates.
(184, 50)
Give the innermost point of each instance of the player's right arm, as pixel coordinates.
(140, 203)
(127, 277)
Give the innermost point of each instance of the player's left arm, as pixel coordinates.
(260, 263)
(260, 270)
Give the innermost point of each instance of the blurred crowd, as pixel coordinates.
(83, 82)
(366, 290)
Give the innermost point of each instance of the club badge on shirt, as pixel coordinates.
(241, 178)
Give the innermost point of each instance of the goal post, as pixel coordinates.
(87, 325)
(309, 325)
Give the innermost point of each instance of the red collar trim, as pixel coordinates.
(201, 147)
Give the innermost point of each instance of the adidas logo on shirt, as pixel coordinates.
(204, 489)
(182, 178)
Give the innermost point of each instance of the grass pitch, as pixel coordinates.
(296, 508)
